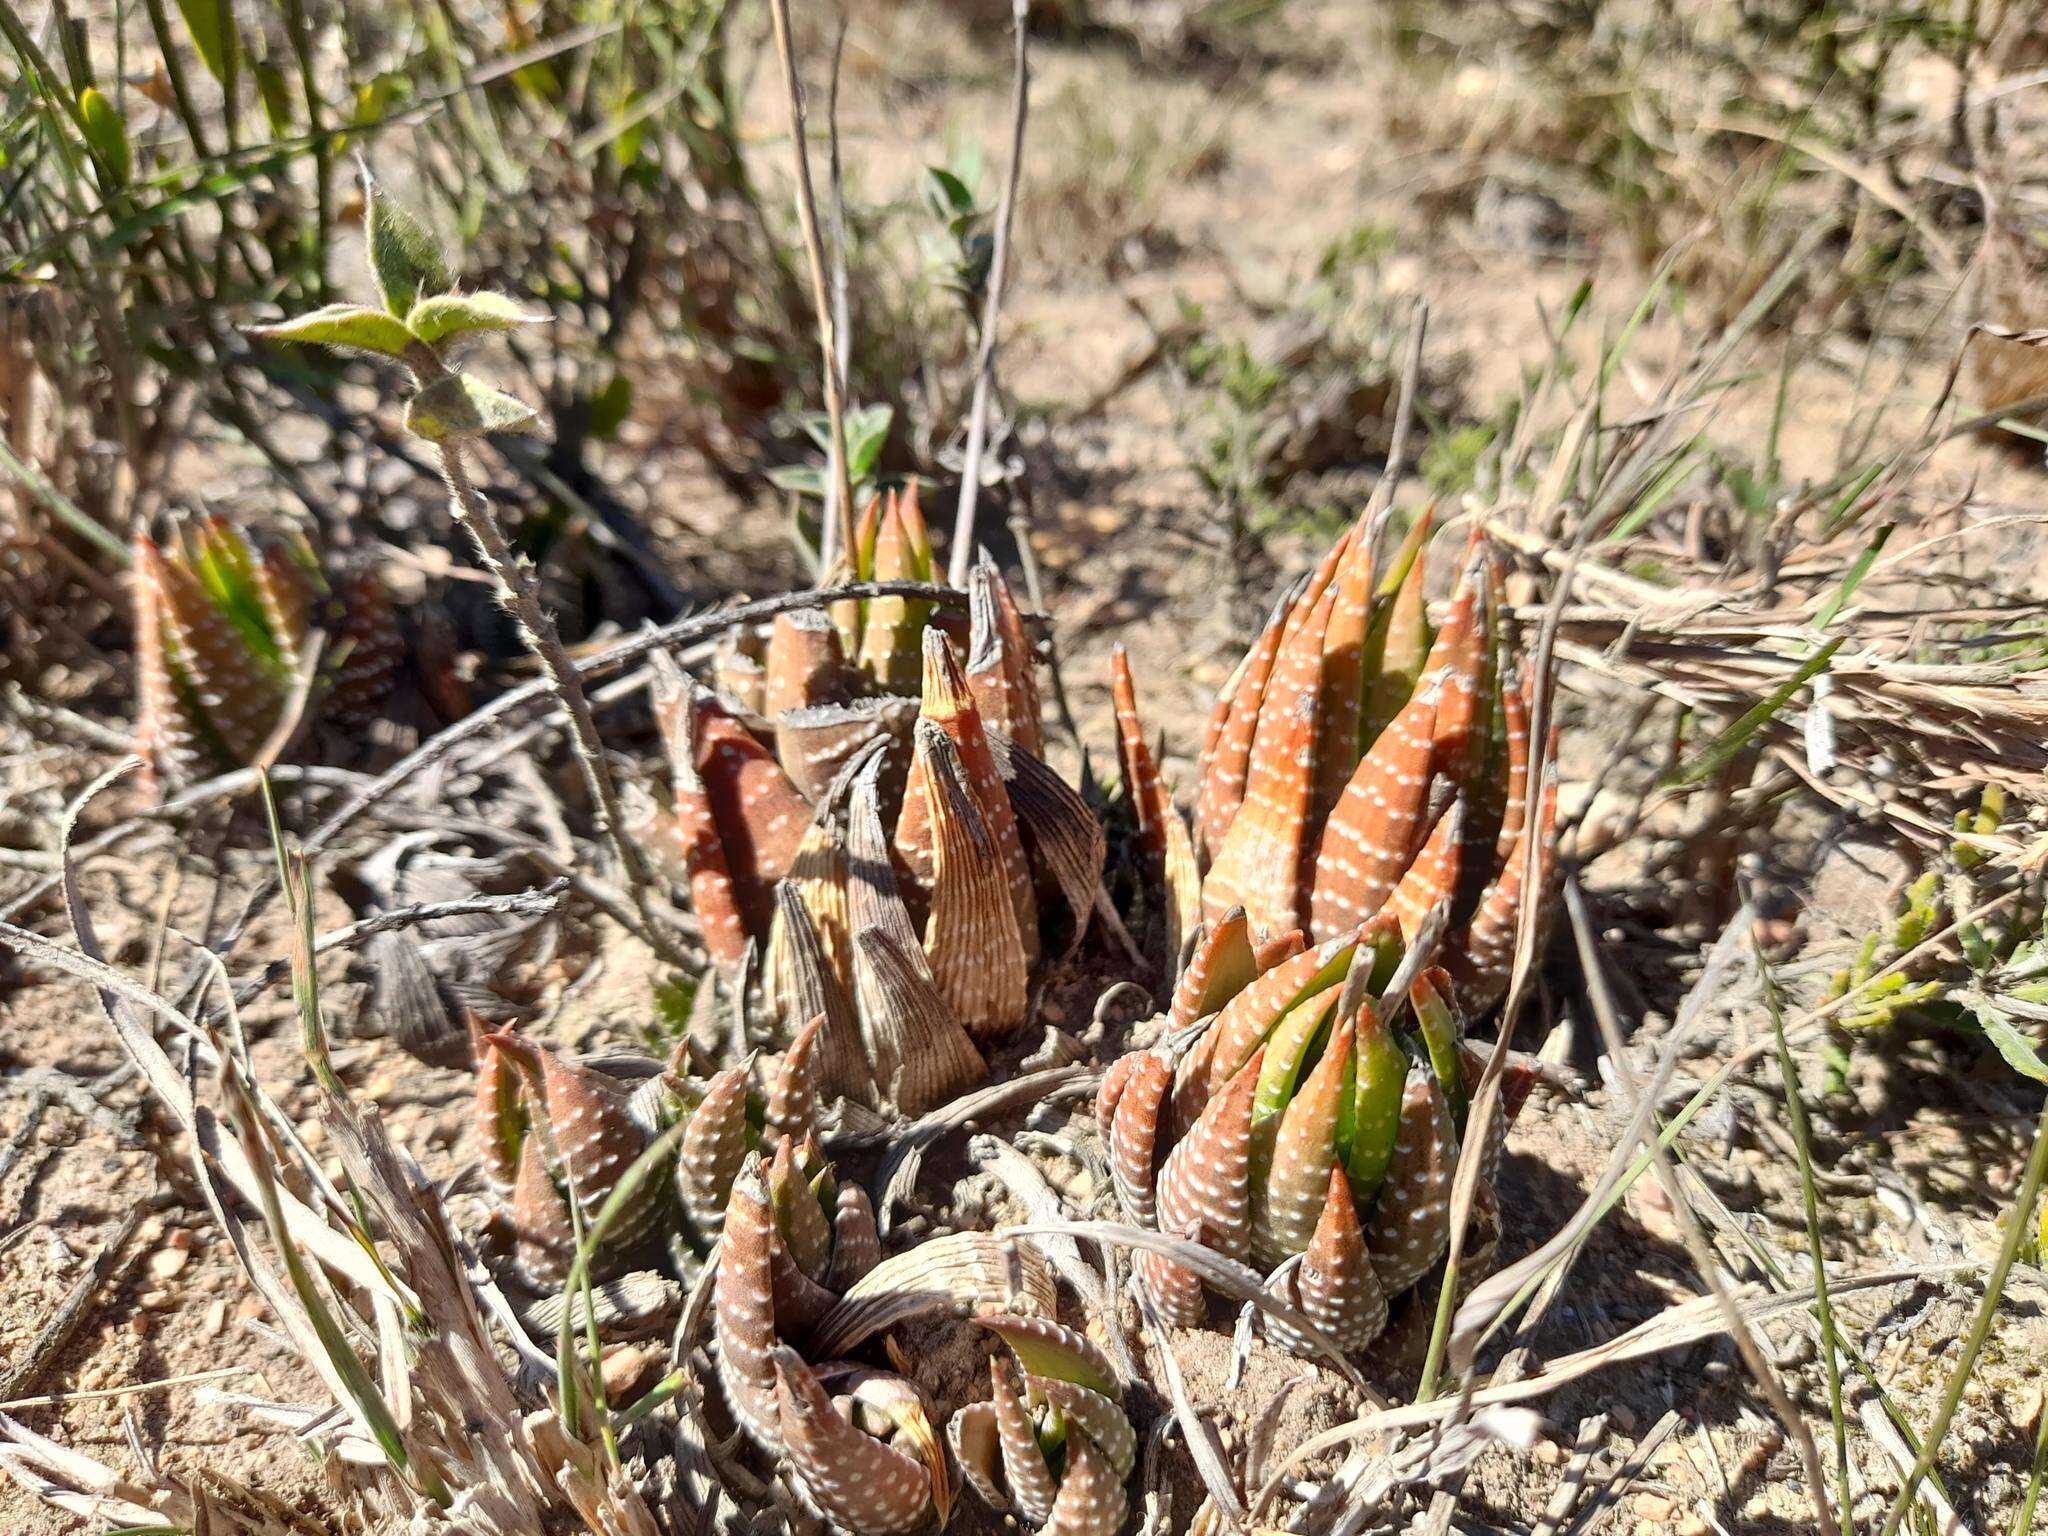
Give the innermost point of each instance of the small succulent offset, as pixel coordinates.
(549, 1127)
(422, 315)
(223, 625)
(1302, 1123)
(1356, 765)
(1052, 1443)
(902, 870)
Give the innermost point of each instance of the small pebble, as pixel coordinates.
(1654, 1506)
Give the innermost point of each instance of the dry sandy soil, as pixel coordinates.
(1147, 185)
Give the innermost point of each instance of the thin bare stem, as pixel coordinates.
(962, 554)
(521, 595)
(836, 529)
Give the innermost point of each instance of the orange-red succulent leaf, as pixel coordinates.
(1370, 839)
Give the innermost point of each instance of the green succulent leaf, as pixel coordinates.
(457, 406)
(442, 315)
(405, 260)
(107, 132)
(342, 325)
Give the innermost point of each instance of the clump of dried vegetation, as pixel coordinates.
(944, 1088)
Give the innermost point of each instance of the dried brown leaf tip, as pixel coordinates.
(222, 623)
(1002, 672)
(1359, 764)
(1052, 1443)
(1305, 1130)
(1164, 843)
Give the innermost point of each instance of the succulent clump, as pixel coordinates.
(908, 869)
(1357, 763)
(224, 623)
(1351, 888)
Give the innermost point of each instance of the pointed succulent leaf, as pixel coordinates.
(1399, 642)
(714, 1146)
(500, 1120)
(1001, 667)
(1336, 1284)
(793, 1094)
(1410, 1224)
(1223, 965)
(1048, 1348)
(1265, 857)
(1375, 1120)
(977, 955)
(1091, 1497)
(1225, 762)
(1432, 880)
(859, 1483)
(1289, 1200)
(856, 1242)
(800, 1222)
(1025, 1472)
(544, 1233)
(743, 1309)
(1371, 835)
(1134, 1133)
(1207, 1178)
(922, 1056)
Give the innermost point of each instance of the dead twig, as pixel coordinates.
(835, 538)
(962, 553)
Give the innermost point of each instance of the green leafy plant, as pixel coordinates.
(1966, 949)
(422, 316)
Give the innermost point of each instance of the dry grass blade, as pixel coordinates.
(1704, 1259)
(1233, 1279)
(1674, 1328)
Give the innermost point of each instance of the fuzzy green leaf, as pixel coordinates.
(457, 406)
(443, 315)
(2016, 1048)
(342, 325)
(107, 132)
(405, 260)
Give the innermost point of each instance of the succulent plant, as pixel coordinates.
(1308, 1126)
(546, 1127)
(1052, 1443)
(903, 871)
(222, 624)
(859, 1443)
(1355, 765)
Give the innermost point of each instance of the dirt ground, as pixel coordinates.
(1147, 187)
